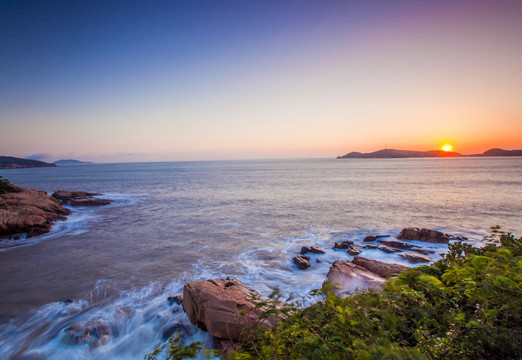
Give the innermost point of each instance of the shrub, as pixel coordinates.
(5, 186)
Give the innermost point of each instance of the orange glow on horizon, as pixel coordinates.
(447, 147)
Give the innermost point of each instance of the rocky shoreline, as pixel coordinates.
(29, 213)
(229, 309)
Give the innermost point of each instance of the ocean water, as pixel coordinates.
(171, 223)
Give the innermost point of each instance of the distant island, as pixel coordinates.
(397, 154)
(71, 162)
(10, 162)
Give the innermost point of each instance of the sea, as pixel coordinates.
(175, 222)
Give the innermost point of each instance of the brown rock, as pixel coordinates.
(415, 258)
(396, 244)
(423, 234)
(378, 267)
(388, 249)
(343, 245)
(66, 196)
(374, 237)
(371, 246)
(224, 308)
(422, 250)
(29, 211)
(349, 277)
(302, 262)
(178, 299)
(353, 250)
(312, 249)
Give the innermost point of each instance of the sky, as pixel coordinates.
(122, 81)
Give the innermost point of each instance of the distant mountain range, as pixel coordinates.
(395, 154)
(10, 162)
(71, 162)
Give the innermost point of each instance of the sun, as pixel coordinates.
(447, 147)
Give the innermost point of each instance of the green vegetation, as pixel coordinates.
(468, 305)
(5, 186)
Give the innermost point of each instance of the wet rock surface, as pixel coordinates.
(353, 250)
(343, 245)
(388, 249)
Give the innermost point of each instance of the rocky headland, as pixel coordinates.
(397, 154)
(28, 211)
(10, 162)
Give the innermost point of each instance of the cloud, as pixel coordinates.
(39, 156)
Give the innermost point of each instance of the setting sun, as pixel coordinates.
(447, 147)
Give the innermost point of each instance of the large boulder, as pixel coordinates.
(350, 277)
(28, 211)
(423, 234)
(226, 308)
(378, 267)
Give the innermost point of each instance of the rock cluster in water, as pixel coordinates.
(79, 198)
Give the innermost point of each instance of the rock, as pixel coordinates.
(396, 244)
(422, 250)
(79, 198)
(349, 277)
(374, 237)
(181, 328)
(353, 250)
(388, 249)
(318, 261)
(224, 308)
(343, 245)
(93, 332)
(89, 201)
(312, 249)
(415, 258)
(378, 267)
(423, 234)
(302, 262)
(29, 211)
(178, 299)
(371, 246)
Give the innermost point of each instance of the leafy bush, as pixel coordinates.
(5, 186)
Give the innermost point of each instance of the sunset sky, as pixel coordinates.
(201, 80)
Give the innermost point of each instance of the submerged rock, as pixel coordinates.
(94, 332)
(371, 246)
(378, 267)
(176, 299)
(312, 249)
(415, 258)
(28, 211)
(374, 237)
(423, 234)
(350, 277)
(396, 244)
(302, 262)
(224, 308)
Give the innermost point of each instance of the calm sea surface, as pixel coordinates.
(171, 223)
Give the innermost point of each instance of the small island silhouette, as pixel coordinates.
(396, 154)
